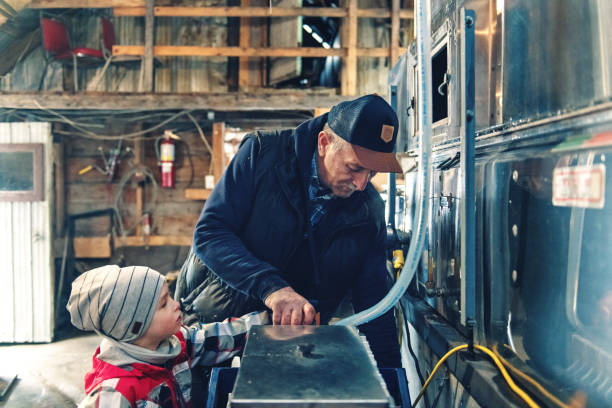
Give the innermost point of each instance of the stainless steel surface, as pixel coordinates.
(534, 59)
(308, 366)
(467, 164)
(543, 77)
(555, 56)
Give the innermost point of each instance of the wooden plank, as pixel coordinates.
(320, 111)
(233, 12)
(148, 47)
(197, 193)
(395, 30)
(377, 52)
(139, 159)
(192, 50)
(60, 187)
(349, 71)
(218, 156)
(403, 14)
(92, 247)
(220, 102)
(154, 240)
(245, 42)
(284, 33)
(43, 4)
(259, 12)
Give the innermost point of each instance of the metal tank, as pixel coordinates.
(535, 279)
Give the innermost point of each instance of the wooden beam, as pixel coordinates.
(60, 186)
(321, 111)
(43, 4)
(192, 50)
(349, 69)
(245, 42)
(154, 240)
(218, 155)
(92, 247)
(259, 12)
(148, 47)
(139, 158)
(377, 52)
(395, 30)
(220, 102)
(197, 193)
(189, 50)
(403, 14)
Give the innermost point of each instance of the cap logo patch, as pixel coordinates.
(386, 134)
(136, 327)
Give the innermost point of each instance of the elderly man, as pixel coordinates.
(294, 223)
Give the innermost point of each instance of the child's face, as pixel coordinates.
(166, 321)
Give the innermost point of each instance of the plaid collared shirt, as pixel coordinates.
(320, 196)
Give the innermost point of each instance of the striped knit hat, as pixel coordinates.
(115, 302)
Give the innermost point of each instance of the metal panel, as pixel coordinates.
(26, 252)
(7, 321)
(41, 238)
(308, 366)
(546, 66)
(468, 206)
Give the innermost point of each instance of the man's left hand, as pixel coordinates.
(289, 308)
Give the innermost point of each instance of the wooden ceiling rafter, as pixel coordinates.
(350, 13)
(221, 102)
(235, 11)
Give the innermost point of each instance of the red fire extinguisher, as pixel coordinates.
(166, 159)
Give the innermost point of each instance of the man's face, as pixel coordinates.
(339, 168)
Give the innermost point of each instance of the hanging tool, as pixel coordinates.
(113, 161)
(110, 164)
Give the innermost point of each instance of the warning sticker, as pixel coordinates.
(580, 186)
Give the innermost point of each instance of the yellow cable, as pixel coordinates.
(530, 380)
(530, 402)
(507, 377)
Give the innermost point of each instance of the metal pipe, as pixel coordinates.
(422, 15)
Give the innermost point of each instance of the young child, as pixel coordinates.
(146, 354)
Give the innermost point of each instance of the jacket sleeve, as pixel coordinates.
(372, 285)
(216, 241)
(106, 396)
(213, 343)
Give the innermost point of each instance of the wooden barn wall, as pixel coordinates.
(373, 72)
(172, 213)
(190, 74)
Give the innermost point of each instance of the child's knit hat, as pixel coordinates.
(115, 302)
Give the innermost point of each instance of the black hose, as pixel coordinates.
(414, 357)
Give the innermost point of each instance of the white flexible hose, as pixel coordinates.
(420, 217)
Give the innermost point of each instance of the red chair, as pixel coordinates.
(57, 43)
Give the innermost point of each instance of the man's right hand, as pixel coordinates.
(289, 308)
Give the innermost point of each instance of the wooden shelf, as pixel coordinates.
(193, 50)
(197, 193)
(99, 247)
(336, 12)
(154, 240)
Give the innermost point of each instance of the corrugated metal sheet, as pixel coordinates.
(25, 249)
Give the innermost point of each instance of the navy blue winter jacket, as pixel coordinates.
(253, 238)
